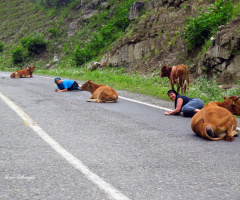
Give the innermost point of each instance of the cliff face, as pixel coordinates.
(156, 39)
(223, 57)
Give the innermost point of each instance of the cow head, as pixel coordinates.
(87, 85)
(31, 68)
(12, 75)
(233, 104)
(165, 71)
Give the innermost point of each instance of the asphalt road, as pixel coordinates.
(64, 148)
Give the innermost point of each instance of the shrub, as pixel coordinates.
(106, 31)
(53, 32)
(1, 46)
(17, 55)
(34, 44)
(200, 28)
(81, 56)
(96, 43)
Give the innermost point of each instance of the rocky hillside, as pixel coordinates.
(152, 39)
(156, 41)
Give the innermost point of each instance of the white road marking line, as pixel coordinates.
(47, 77)
(103, 185)
(147, 104)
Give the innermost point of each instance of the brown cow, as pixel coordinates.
(178, 75)
(100, 93)
(216, 121)
(23, 73)
(232, 104)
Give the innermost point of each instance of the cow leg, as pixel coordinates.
(100, 101)
(100, 97)
(182, 90)
(178, 89)
(180, 85)
(92, 100)
(172, 84)
(230, 134)
(186, 83)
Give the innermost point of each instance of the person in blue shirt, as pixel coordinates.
(66, 85)
(188, 106)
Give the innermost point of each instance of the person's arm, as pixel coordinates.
(64, 90)
(63, 85)
(178, 108)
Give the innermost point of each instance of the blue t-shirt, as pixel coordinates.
(184, 98)
(65, 84)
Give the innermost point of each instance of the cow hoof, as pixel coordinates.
(228, 138)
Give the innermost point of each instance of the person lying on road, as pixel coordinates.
(189, 106)
(66, 85)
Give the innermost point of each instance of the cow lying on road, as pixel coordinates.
(178, 75)
(216, 121)
(232, 104)
(100, 93)
(24, 73)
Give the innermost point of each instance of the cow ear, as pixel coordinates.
(235, 100)
(234, 103)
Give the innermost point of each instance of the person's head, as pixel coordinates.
(58, 80)
(172, 94)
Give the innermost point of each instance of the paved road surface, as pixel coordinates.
(64, 148)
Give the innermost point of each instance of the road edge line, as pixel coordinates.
(75, 162)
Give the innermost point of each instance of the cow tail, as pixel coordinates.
(208, 131)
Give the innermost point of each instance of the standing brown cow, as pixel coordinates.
(177, 75)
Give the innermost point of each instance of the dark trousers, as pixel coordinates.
(74, 86)
(188, 109)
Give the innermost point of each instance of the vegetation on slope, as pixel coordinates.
(200, 28)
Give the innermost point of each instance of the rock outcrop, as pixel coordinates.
(222, 59)
(136, 8)
(73, 27)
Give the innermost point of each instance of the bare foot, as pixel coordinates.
(196, 110)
